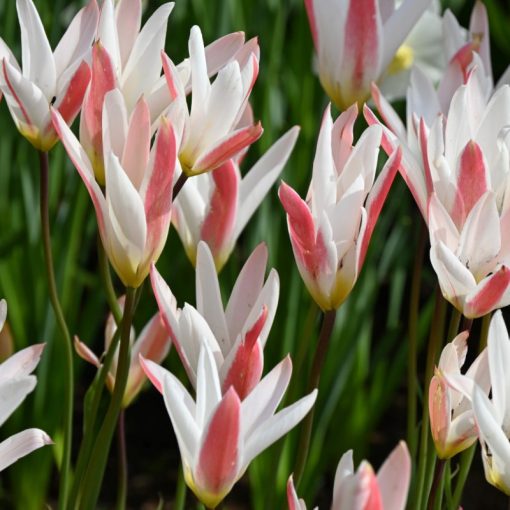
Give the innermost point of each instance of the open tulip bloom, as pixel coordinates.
(134, 216)
(356, 41)
(153, 343)
(218, 434)
(16, 382)
(207, 134)
(492, 416)
(235, 335)
(452, 421)
(331, 230)
(216, 206)
(47, 78)
(362, 489)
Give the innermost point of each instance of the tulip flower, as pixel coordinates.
(492, 415)
(218, 434)
(153, 343)
(363, 490)
(16, 382)
(128, 58)
(216, 206)
(331, 230)
(452, 421)
(356, 42)
(134, 216)
(237, 334)
(59, 78)
(207, 134)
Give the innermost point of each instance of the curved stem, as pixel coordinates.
(62, 326)
(178, 185)
(180, 493)
(122, 461)
(328, 322)
(95, 470)
(466, 459)
(412, 368)
(435, 491)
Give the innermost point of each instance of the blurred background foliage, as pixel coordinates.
(362, 398)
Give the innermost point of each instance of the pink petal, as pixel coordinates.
(246, 368)
(219, 223)
(228, 148)
(425, 157)
(376, 200)
(70, 102)
(388, 141)
(362, 49)
(171, 76)
(158, 195)
(440, 411)
(292, 498)
(487, 298)
(151, 371)
(136, 149)
(128, 19)
(218, 460)
(471, 181)
(393, 478)
(85, 353)
(479, 31)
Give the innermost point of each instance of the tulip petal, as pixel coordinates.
(13, 392)
(128, 18)
(21, 363)
(393, 478)
(21, 444)
(292, 498)
(492, 292)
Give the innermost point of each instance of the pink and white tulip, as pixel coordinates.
(216, 206)
(362, 489)
(452, 421)
(236, 334)
(331, 230)
(134, 213)
(356, 41)
(493, 416)
(16, 382)
(47, 78)
(218, 434)
(153, 343)
(208, 134)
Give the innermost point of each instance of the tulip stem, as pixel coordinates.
(412, 368)
(453, 329)
(91, 404)
(435, 339)
(466, 459)
(180, 493)
(436, 490)
(95, 470)
(122, 462)
(106, 277)
(179, 184)
(68, 375)
(328, 322)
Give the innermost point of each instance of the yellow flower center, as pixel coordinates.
(402, 60)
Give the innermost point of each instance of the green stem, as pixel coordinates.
(435, 339)
(435, 491)
(328, 322)
(94, 393)
(453, 329)
(106, 278)
(122, 461)
(484, 331)
(180, 493)
(466, 459)
(68, 375)
(412, 368)
(95, 470)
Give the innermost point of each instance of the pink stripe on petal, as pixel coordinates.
(313, 23)
(387, 143)
(27, 118)
(308, 245)
(425, 157)
(464, 57)
(171, 75)
(376, 200)
(85, 353)
(227, 149)
(220, 220)
(150, 374)
(487, 299)
(246, 369)
(471, 181)
(70, 104)
(362, 40)
(218, 460)
(158, 197)
(292, 498)
(439, 411)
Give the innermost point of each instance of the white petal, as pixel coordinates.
(12, 393)
(21, 444)
(208, 387)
